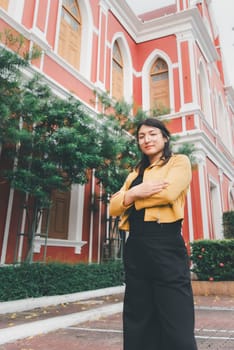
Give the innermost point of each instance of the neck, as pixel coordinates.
(155, 158)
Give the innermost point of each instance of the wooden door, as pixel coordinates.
(58, 216)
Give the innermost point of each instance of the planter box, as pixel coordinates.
(206, 288)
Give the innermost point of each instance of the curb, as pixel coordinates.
(11, 334)
(33, 303)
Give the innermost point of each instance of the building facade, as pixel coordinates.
(167, 58)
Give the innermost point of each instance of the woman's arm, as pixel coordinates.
(117, 203)
(143, 190)
(178, 179)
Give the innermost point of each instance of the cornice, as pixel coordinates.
(173, 24)
(123, 12)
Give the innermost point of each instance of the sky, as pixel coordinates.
(223, 11)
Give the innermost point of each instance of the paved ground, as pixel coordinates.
(214, 325)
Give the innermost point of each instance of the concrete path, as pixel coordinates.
(94, 321)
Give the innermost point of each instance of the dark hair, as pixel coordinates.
(156, 123)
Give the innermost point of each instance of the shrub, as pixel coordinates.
(228, 224)
(36, 280)
(213, 259)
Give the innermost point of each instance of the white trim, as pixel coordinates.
(47, 16)
(35, 14)
(52, 242)
(56, 42)
(99, 53)
(201, 174)
(7, 227)
(99, 225)
(215, 207)
(193, 72)
(76, 213)
(204, 88)
(91, 217)
(16, 8)
(178, 43)
(184, 4)
(86, 38)
(190, 217)
(21, 237)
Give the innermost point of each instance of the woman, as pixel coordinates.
(158, 303)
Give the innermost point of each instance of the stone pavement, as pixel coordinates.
(94, 321)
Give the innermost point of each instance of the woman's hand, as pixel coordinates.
(144, 190)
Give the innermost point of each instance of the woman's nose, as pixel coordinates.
(147, 138)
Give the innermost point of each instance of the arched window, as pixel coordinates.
(117, 73)
(159, 85)
(4, 4)
(70, 33)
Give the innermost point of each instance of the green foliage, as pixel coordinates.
(159, 110)
(36, 280)
(213, 259)
(54, 140)
(188, 149)
(228, 224)
(9, 92)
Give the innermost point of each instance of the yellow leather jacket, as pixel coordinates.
(164, 207)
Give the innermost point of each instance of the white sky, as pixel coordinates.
(224, 14)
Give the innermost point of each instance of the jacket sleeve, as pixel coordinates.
(179, 177)
(117, 206)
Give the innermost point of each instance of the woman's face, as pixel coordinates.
(151, 142)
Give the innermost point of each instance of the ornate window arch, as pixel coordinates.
(159, 85)
(126, 63)
(69, 45)
(146, 74)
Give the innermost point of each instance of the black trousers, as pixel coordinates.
(158, 304)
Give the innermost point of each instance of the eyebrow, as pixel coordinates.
(151, 130)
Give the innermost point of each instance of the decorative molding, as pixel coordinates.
(180, 22)
(39, 242)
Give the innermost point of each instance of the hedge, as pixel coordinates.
(213, 260)
(37, 279)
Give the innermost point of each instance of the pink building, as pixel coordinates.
(168, 57)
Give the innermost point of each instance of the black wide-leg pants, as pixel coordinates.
(158, 304)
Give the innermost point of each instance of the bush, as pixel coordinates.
(228, 224)
(36, 280)
(213, 259)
